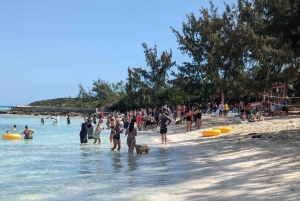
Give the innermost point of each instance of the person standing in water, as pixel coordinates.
(68, 120)
(98, 131)
(164, 122)
(116, 137)
(112, 127)
(27, 132)
(83, 132)
(131, 132)
(90, 128)
(57, 119)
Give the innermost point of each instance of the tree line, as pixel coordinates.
(240, 52)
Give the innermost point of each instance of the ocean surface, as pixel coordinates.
(4, 108)
(55, 166)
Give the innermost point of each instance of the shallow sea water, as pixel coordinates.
(55, 166)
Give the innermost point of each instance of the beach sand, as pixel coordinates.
(235, 166)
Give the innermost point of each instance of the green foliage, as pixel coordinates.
(241, 52)
(64, 102)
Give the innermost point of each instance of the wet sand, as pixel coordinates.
(234, 166)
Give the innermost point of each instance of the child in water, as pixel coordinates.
(14, 128)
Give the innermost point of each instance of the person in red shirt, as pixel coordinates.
(139, 121)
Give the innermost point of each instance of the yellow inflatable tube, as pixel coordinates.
(209, 133)
(11, 136)
(224, 129)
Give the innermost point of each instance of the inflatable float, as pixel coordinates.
(209, 133)
(224, 129)
(11, 136)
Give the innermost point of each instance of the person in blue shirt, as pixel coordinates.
(126, 123)
(284, 108)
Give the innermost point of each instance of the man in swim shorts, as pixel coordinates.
(164, 122)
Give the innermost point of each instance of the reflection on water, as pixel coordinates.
(85, 159)
(163, 157)
(116, 162)
(131, 160)
(27, 141)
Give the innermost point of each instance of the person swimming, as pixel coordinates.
(14, 128)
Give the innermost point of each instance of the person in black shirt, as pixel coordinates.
(164, 122)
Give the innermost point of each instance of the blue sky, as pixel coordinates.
(48, 47)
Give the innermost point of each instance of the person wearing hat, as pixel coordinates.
(116, 137)
(27, 132)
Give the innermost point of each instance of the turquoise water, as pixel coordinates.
(4, 108)
(55, 166)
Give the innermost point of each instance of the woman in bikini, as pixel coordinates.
(116, 137)
(112, 127)
(28, 133)
(131, 132)
(198, 115)
(188, 117)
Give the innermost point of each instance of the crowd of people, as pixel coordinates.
(124, 123)
(247, 110)
(142, 119)
(145, 119)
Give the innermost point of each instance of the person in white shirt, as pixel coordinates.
(57, 118)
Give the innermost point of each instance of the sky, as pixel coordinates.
(49, 47)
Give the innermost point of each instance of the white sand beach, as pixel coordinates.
(235, 166)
